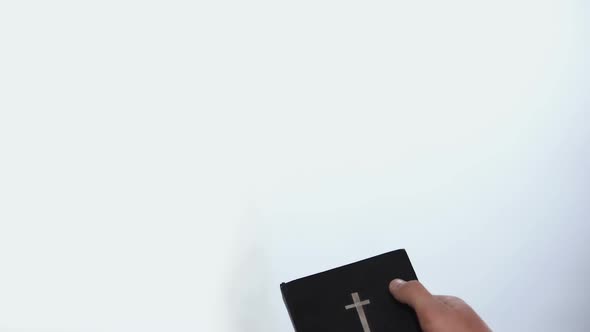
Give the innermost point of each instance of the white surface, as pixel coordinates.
(164, 166)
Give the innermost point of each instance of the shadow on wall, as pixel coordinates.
(249, 299)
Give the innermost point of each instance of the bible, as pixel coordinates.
(352, 298)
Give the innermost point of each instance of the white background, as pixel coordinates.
(165, 165)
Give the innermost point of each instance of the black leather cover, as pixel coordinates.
(318, 303)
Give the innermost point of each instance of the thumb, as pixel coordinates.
(412, 293)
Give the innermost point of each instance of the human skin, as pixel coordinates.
(437, 313)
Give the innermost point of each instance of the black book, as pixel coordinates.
(352, 298)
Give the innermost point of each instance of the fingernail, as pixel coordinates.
(395, 283)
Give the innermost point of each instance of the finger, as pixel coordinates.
(412, 293)
(451, 301)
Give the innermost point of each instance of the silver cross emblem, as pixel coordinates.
(358, 305)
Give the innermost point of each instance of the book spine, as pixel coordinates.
(284, 291)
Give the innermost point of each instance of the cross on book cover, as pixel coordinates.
(352, 298)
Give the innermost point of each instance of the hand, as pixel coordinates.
(437, 313)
